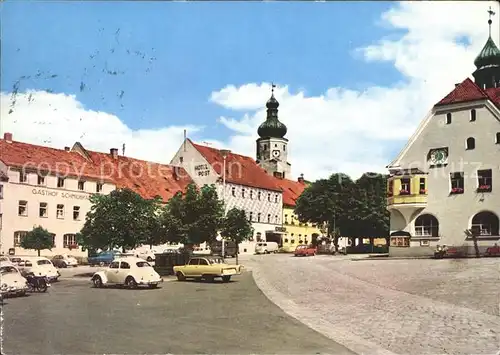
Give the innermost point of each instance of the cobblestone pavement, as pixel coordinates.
(389, 306)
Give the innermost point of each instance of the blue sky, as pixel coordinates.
(189, 50)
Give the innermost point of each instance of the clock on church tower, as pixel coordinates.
(272, 145)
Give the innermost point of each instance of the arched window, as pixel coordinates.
(485, 224)
(470, 143)
(426, 225)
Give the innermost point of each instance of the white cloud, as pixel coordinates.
(342, 130)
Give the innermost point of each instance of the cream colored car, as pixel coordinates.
(40, 266)
(12, 282)
(128, 271)
(207, 268)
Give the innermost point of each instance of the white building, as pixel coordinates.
(42, 186)
(248, 186)
(445, 183)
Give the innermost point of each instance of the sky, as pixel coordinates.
(354, 79)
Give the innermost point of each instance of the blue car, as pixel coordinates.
(103, 258)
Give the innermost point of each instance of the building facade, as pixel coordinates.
(247, 186)
(444, 187)
(49, 187)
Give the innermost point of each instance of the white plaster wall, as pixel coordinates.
(191, 159)
(280, 144)
(32, 193)
(455, 212)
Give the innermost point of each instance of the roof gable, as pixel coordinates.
(466, 91)
(240, 169)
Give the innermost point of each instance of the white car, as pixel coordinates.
(64, 260)
(148, 255)
(40, 266)
(5, 260)
(12, 282)
(128, 271)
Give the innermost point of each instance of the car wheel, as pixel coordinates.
(209, 278)
(130, 282)
(226, 278)
(180, 276)
(97, 281)
(101, 264)
(22, 293)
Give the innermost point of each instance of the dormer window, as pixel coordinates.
(448, 118)
(470, 143)
(472, 115)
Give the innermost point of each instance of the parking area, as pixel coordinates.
(180, 317)
(419, 306)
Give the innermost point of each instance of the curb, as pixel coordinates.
(328, 329)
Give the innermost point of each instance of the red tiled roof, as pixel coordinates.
(468, 91)
(291, 190)
(146, 178)
(240, 169)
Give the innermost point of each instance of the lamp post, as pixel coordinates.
(224, 153)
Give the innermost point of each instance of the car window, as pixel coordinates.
(203, 262)
(193, 262)
(43, 262)
(143, 264)
(124, 265)
(114, 265)
(216, 261)
(4, 258)
(8, 270)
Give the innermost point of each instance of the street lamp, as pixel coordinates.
(225, 153)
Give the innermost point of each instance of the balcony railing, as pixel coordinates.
(410, 199)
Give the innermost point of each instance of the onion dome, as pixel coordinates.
(489, 55)
(272, 127)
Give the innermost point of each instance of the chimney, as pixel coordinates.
(8, 137)
(123, 149)
(66, 149)
(301, 178)
(114, 153)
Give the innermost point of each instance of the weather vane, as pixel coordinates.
(490, 13)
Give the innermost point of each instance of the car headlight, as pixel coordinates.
(4, 287)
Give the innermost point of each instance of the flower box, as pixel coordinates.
(404, 192)
(484, 188)
(423, 191)
(456, 190)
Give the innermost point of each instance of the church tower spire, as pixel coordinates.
(272, 145)
(487, 74)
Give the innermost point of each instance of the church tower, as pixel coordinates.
(272, 150)
(487, 74)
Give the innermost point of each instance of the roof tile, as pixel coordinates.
(146, 178)
(240, 169)
(466, 91)
(291, 190)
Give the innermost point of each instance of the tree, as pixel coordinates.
(153, 230)
(193, 218)
(236, 227)
(122, 219)
(328, 203)
(38, 239)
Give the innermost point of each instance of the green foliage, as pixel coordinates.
(194, 217)
(38, 239)
(122, 219)
(236, 226)
(346, 208)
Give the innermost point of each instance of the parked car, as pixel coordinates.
(148, 255)
(207, 268)
(266, 247)
(64, 260)
(305, 250)
(40, 266)
(15, 260)
(104, 257)
(13, 283)
(128, 271)
(230, 248)
(5, 259)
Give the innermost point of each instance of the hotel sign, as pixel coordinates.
(68, 195)
(280, 229)
(202, 170)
